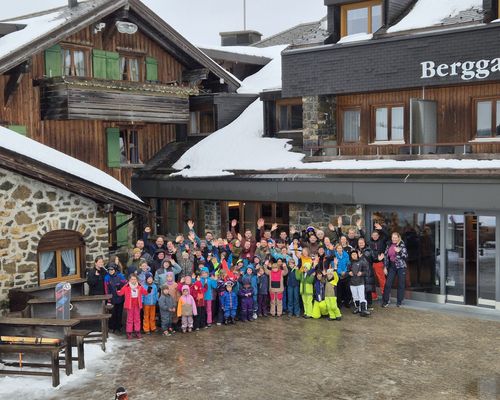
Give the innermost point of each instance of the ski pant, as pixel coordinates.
(230, 312)
(307, 300)
(262, 306)
(208, 308)
(133, 319)
(343, 292)
(392, 271)
(378, 269)
(149, 322)
(187, 321)
(276, 304)
(293, 300)
(358, 293)
(115, 322)
(331, 306)
(319, 309)
(200, 320)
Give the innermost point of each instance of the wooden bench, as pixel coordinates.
(90, 310)
(18, 298)
(39, 328)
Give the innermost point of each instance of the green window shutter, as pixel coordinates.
(53, 61)
(121, 233)
(151, 69)
(99, 63)
(113, 144)
(21, 129)
(113, 66)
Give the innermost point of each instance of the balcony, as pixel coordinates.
(75, 98)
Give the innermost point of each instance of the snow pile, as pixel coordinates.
(35, 28)
(35, 387)
(22, 145)
(427, 13)
(240, 145)
(269, 52)
(357, 37)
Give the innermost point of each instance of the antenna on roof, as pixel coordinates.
(244, 15)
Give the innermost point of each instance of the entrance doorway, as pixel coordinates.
(470, 259)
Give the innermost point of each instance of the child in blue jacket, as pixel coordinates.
(149, 304)
(209, 284)
(229, 303)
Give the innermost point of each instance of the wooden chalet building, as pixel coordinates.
(397, 113)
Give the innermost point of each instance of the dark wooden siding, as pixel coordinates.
(455, 111)
(86, 139)
(230, 106)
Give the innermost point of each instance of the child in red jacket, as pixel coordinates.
(198, 293)
(133, 304)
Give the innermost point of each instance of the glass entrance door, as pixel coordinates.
(470, 259)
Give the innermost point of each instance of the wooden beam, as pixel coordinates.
(195, 76)
(15, 78)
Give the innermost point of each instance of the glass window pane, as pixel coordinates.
(48, 265)
(296, 117)
(498, 119)
(123, 68)
(79, 57)
(66, 61)
(357, 21)
(381, 128)
(484, 119)
(283, 118)
(398, 126)
(134, 147)
(486, 259)
(134, 69)
(455, 257)
(193, 122)
(376, 18)
(123, 148)
(68, 262)
(352, 120)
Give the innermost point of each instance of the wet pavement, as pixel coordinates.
(395, 354)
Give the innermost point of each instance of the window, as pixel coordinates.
(60, 256)
(365, 17)
(389, 123)
(289, 117)
(130, 68)
(129, 147)
(201, 122)
(351, 125)
(488, 118)
(74, 61)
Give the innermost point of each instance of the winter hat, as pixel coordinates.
(204, 269)
(136, 250)
(112, 266)
(121, 391)
(148, 275)
(165, 286)
(160, 251)
(185, 287)
(229, 283)
(239, 261)
(170, 274)
(246, 281)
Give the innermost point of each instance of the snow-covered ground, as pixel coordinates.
(24, 146)
(34, 387)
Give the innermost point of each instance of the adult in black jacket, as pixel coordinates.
(95, 277)
(378, 244)
(367, 254)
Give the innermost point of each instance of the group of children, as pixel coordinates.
(193, 283)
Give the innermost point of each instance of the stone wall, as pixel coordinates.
(319, 215)
(28, 210)
(211, 212)
(319, 122)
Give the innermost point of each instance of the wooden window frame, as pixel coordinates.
(494, 117)
(342, 110)
(140, 62)
(289, 103)
(57, 241)
(86, 53)
(354, 6)
(128, 130)
(373, 119)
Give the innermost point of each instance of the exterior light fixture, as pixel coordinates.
(126, 27)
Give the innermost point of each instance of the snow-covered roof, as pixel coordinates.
(430, 13)
(34, 150)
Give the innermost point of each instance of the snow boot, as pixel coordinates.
(355, 307)
(364, 312)
(138, 335)
(129, 335)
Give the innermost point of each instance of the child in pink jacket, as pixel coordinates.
(186, 309)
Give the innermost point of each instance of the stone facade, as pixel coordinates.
(319, 215)
(211, 212)
(28, 210)
(319, 122)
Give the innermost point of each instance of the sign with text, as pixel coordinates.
(467, 70)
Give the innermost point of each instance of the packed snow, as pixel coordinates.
(357, 37)
(22, 145)
(34, 387)
(35, 27)
(268, 52)
(427, 13)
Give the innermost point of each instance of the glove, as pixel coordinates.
(150, 288)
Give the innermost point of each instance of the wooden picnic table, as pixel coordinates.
(39, 328)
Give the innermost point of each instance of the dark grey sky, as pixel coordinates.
(202, 20)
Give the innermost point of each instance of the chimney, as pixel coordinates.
(240, 38)
(72, 3)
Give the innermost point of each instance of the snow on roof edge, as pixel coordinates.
(34, 150)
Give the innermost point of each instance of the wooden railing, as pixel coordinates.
(410, 149)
